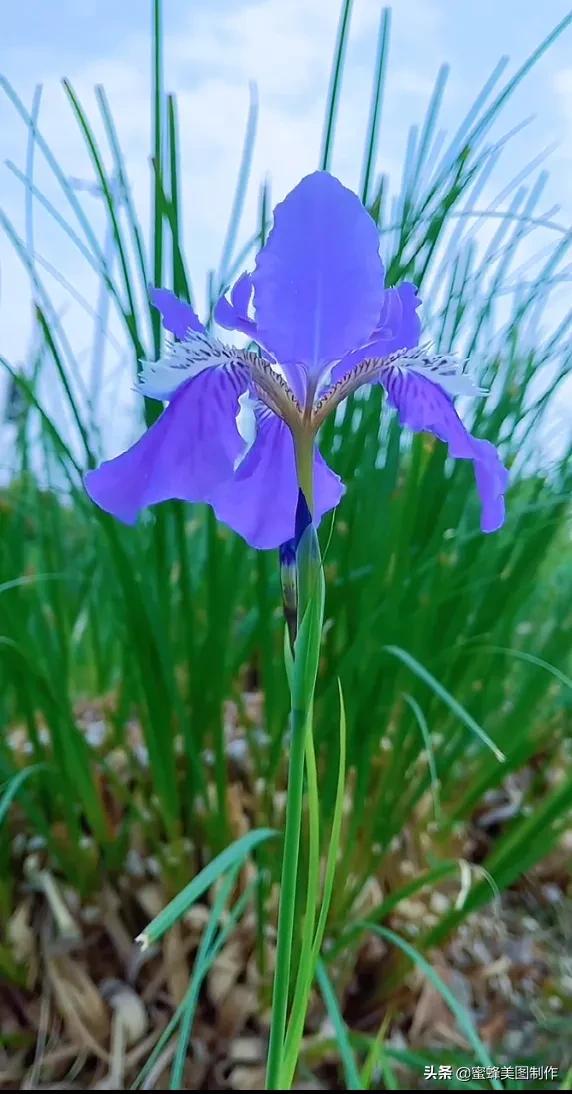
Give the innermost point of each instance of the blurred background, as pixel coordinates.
(213, 52)
(143, 703)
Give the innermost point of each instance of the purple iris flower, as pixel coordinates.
(237, 420)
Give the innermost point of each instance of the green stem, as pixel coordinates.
(304, 445)
(306, 966)
(302, 687)
(312, 942)
(287, 898)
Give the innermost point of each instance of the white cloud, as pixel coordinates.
(210, 58)
(212, 51)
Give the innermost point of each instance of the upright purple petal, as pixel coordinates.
(398, 327)
(260, 501)
(241, 293)
(233, 314)
(178, 316)
(185, 454)
(425, 408)
(318, 281)
(399, 324)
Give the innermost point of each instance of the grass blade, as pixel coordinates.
(459, 1012)
(335, 85)
(376, 104)
(235, 854)
(350, 1067)
(443, 694)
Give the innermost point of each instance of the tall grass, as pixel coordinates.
(447, 642)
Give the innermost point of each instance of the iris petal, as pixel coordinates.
(425, 408)
(398, 327)
(260, 501)
(178, 316)
(233, 314)
(399, 323)
(318, 281)
(186, 359)
(185, 454)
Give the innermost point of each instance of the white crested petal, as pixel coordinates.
(444, 369)
(183, 361)
(459, 383)
(159, 379)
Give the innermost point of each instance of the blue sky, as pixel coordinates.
(212, 49)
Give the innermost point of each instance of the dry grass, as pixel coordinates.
(90, 1005)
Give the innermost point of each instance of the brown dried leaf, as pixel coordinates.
(247, 1078)
(247, 1050)
(21, 939)
(432, 1015)
(122, 939)
(493, 1030)
(175, 961)
(151, 898)
(79, 1003)
(196, 920)
(238, 1006)
(225, 971)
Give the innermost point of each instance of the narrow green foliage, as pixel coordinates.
(311, 594)
(335, 84)
(312, 938)
(443, 694)
(233, 856)
(11, 789)
(201, 967)
(463, 1018)
(242, 180)
(376, 102)
(351, 1072)
(213, 939)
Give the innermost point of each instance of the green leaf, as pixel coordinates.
(335, 84)
(210, 946)
(443, 694)
(312, 942)
(11, 788)
(202, 964)
(351, 1072)
(232, 856)
(424, 730)
(532, 659)
(463, 1018)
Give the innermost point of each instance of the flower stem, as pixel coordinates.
(287, 898)
(304, 447)
(302, 677)
(306, 966)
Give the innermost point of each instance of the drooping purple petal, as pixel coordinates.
(398, 327)
(425, 408)
(318, 281)
(185, 454)
(233, 314)
(260, 501)
(178, 316)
